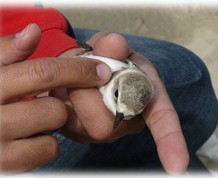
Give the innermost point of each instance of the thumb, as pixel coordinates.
(110, 45)
(16, 48)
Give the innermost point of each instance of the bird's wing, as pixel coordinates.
(115, 65)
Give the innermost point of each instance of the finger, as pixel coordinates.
(132, 126)
(25, 154)
(164, 125)
(110, 45)
(24, 119)
(96, 37)
(96, 119)
(89, 108)
(16, 48)
(73, 124)
(37, 76)
(163, 122)
(129, 127)
(78, 137)
(74, 129)
(84, 139)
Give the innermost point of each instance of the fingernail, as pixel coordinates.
(103, 71)
(23, 32)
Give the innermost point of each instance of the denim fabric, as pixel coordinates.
(189, 87)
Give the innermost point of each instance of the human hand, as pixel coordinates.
(22, 144)
(86, 114)
(90, 120)
(163, 122)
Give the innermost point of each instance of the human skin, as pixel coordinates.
(91, 122)
(88, 118)
(22, 144)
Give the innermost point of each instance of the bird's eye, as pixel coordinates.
(116, 94)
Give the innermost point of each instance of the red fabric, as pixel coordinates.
(53, 41)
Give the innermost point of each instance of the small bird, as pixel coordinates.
(129, 90)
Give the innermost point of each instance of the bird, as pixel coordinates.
(128, 91)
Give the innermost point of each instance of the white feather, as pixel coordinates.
(114, 65)
(106, 90)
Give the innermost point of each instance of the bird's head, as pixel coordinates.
(127, 94)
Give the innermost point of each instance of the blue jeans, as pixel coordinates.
(189, 87)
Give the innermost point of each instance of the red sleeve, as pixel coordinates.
(54, 39)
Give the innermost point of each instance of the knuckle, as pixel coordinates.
(3, 79)
(43, 71)
(51, 147)
(5, 158)
(2, 121)
(4, 163)
(59, 110)
(54, 147)
(80, 69)
(83, 70)
(159, 115)
(4, 124)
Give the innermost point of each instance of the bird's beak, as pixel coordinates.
(119, 117)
